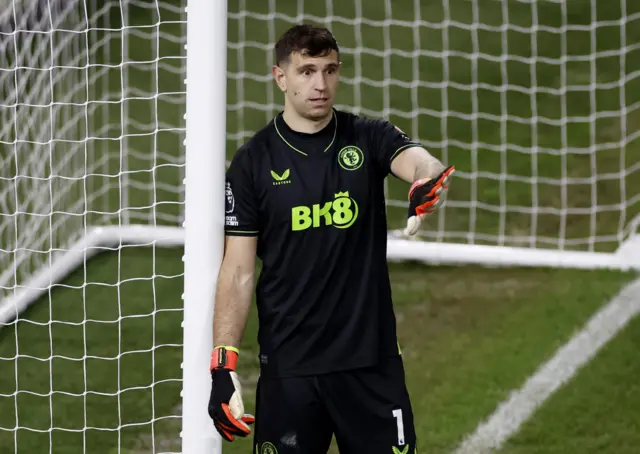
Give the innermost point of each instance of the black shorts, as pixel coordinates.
(368, 410)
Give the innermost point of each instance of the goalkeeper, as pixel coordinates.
(306, 195)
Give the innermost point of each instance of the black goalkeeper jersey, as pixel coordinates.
(316, 203)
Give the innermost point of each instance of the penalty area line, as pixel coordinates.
(582, 347)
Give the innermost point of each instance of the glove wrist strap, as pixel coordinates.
(224, 357)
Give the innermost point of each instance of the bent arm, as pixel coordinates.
(416, 163)
(234, 290)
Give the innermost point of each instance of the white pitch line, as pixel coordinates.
(510, 414)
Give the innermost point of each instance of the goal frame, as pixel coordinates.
(206, 87)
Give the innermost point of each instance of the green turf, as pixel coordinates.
(469, 335)
(116, 348)
(595, 413)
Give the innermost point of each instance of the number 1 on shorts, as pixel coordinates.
(398, 415)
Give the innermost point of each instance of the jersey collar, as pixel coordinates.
(333, 139)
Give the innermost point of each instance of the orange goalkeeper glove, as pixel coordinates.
(225, 402)
(425, 196)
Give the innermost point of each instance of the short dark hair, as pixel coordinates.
(306, 39)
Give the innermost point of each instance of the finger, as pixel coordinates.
(239, 425)
(231, 426)
(226, 426)
(224, 433)
(442, 181)
(428, 207)
(435, 189)
(445, 177)
(446, 174)
(230, 431)
(413, 225)
(249, 419)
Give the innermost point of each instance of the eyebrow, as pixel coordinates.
(312, 66)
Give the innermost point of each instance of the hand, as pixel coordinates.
(425, 196)
(225, 402)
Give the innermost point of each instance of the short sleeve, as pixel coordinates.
(389, 141)
(241, 213)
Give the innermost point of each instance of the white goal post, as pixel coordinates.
(69, 173)
(113, 132)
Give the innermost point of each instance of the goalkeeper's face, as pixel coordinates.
(310, 83)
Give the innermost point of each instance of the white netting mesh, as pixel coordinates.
(91, 131)
(536, 103)
(42, 134)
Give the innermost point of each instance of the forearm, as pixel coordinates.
(415, 164)
(233, 300)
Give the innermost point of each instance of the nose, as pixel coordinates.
(320, 81)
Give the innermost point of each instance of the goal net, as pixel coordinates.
(537, 104)
(92, 105)
(92, 129)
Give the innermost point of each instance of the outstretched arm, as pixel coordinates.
(411, 162)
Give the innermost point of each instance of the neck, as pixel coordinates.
(305, 125)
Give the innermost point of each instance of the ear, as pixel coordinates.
(280, 77)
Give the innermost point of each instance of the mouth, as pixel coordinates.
(320, 100)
